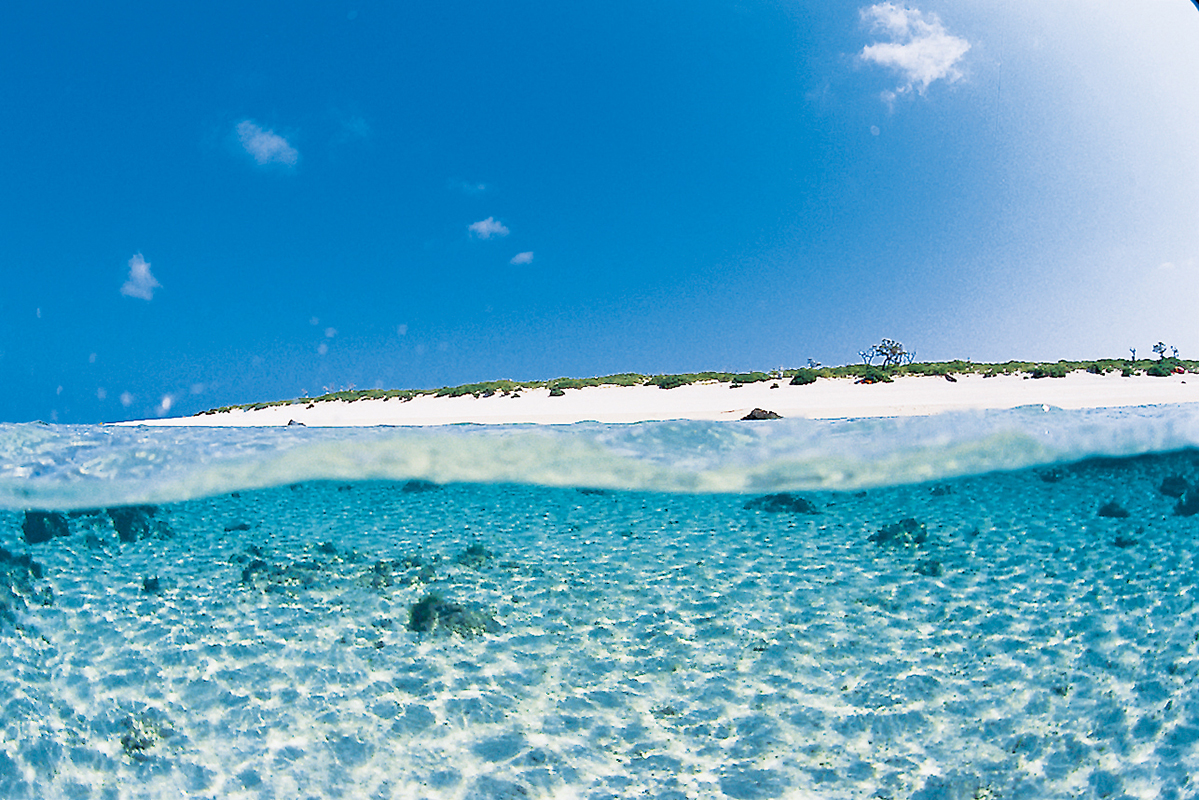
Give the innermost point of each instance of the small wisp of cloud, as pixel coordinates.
(141, 282)
(921, 50)
(468, 187)
(487, 228)
(265, 146)
(522, 258)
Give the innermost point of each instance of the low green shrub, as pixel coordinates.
(669, 381)
(804, 377)
(1162, 368)
(1058, 370)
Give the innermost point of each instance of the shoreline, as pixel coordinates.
(827, 398)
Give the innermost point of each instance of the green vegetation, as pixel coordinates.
(672, 381)
(804, 376)
(865, 373)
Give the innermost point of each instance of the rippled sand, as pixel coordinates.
(644, 645)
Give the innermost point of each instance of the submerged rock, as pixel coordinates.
(781, 503)
(930, 568)
(760, 413)
(19, 574)
(1189, 504)
(42, 526)
(475, 556)
(905, 532)
(1174, 486)
(287, 577)
(139, 734)
(415, 486)
(1112, 509)
(432, 614)
(132, 522)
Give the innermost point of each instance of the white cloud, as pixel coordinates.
(266, 147)
(126, 399)
(487, 228)
(141, 283)
(921, 49)
(522, 258)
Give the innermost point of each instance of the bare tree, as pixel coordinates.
(891, 351)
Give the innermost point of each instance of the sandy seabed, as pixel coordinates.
(1010, 642)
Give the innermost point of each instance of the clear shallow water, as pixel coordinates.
(254, 640)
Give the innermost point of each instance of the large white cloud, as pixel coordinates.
(487, 228)
(141, 282)
(266, 147)
(920, 50)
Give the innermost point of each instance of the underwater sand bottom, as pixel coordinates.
(649, 645)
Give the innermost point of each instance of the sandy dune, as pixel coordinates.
(828, 398)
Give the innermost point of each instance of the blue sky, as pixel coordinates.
(223, 203)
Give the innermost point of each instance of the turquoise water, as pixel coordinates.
(993, 605)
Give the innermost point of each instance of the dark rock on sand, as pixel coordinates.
(294, 424)
(42, 526)
(905, 532)
(476, 556)
(287, 577)
(141, 733)
(131, 522)
(415, 486)
(1189, 504)
(930, 568)
(759, 413)
(782, 503)
(1174, 486)
(1112, 509)
(19, 574)
(432, 614)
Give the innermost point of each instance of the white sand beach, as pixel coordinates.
(828, 398)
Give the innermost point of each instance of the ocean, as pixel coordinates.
(971, 605)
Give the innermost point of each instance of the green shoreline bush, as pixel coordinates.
(1158, 367)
